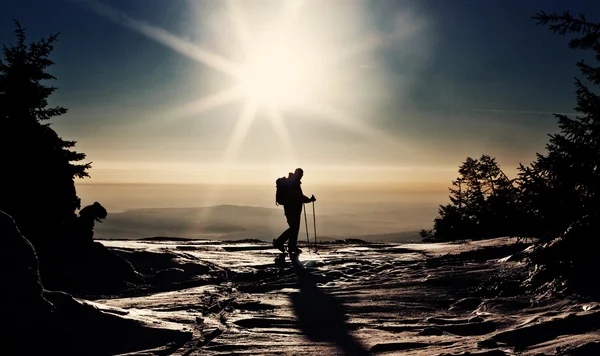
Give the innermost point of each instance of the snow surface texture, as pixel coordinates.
(356, 299)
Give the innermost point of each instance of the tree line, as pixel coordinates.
(556, 198)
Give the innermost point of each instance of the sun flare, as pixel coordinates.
(287, 64)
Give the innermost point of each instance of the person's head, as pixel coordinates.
(299, 173)
(94, 212)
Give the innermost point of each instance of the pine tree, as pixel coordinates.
(37, 181)
(483, 204)
(562, 185)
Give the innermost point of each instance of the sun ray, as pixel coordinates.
(207, 103)
(366, 44)
(239, 25)
(281, 130)
(362, 46)
(236, 139)
(164, 37)
(354, 124)
(287, 19)
(240, 130)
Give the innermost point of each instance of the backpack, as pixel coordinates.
(284, 190)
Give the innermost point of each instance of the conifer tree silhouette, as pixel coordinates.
(38, 167)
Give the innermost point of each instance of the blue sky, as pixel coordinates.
(457, 78)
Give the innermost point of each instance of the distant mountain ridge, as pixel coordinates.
(234, 222)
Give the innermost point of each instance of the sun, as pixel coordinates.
(281, 76)
(282, 66)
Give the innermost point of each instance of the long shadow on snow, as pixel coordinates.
(320, 316)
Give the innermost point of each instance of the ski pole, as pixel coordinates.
(306, 224)
(315, 224)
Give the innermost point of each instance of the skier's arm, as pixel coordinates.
(306, 199)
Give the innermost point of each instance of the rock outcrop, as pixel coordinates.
(36, 321)
(75, 263)
(19, 277)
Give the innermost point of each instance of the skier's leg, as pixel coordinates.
(294, 222)
(280, 241)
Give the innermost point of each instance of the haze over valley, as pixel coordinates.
(249, 211)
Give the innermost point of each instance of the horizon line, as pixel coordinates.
(374, 184)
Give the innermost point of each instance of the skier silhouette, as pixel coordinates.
(290, 195)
